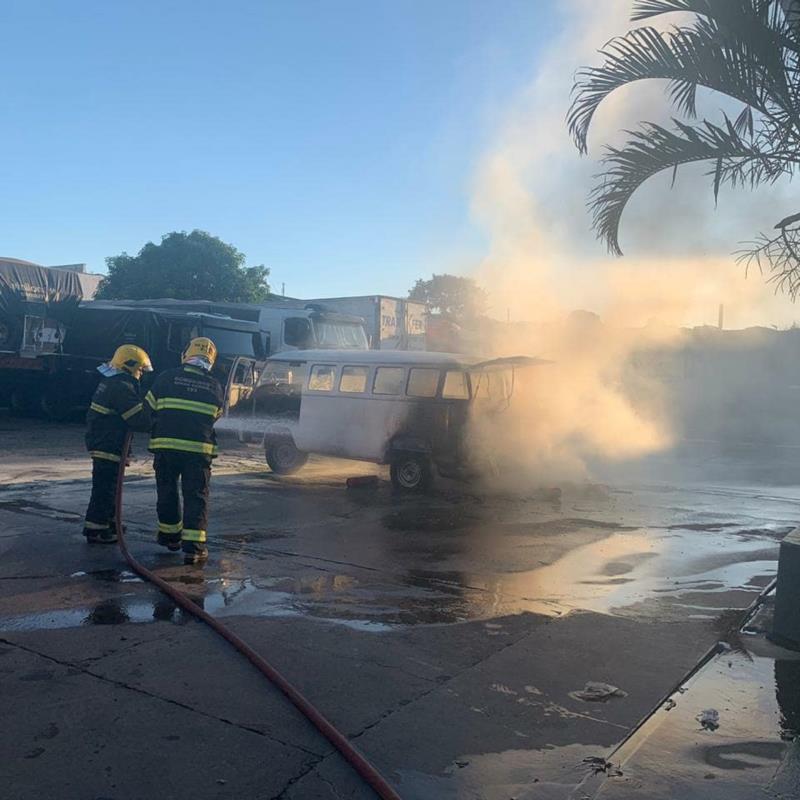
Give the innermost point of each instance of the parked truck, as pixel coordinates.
(286, 324)
(392, 323)
(51, 343)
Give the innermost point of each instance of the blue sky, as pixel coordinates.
(332, 141)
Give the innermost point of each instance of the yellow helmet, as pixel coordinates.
(132, 359)
(201, 347)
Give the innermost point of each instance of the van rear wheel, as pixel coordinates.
(411, 472)
(283, 457)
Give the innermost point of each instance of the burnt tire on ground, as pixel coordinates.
(283, 457)
(411, 472)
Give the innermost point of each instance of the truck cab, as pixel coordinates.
(286, 324)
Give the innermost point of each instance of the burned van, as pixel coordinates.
(406, 409)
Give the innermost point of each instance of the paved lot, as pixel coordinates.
(447, 636)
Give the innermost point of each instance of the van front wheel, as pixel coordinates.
(411, 472)
(283, 457)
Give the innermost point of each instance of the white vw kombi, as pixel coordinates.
(403, 408)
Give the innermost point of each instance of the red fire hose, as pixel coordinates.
(361, 765)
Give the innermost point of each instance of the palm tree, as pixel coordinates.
(748, 50)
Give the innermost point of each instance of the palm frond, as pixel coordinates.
(688, 57)
(653, 148)
(739, 18)
(777, 255)
(761, 10)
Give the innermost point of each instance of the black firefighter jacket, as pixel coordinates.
(116, 408)
(186, 402)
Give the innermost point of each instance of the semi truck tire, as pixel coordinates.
(54, 406)
(22, 402)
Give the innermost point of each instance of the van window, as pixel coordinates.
(244, 375)
(279, 390)
(321, 379)
(388, 380)
(422, 382)
(455, 386)
(354, 379)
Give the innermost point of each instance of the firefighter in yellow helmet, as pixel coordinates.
(185, 403)
(115, 409)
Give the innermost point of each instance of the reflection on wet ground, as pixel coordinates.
(754, 751)
(670, 570)
(546, 774)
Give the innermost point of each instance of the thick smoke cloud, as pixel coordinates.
(543, 262)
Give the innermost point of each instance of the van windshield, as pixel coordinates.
(278, 393)
(339, 335)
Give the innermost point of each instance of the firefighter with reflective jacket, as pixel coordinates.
(186, 402)
(116, 408)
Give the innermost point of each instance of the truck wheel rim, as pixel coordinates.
(410, 474)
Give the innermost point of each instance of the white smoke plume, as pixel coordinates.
(529, 196)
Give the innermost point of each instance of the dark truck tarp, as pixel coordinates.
(30, 289)
(100, 327)
(29, 295)
(97, 332)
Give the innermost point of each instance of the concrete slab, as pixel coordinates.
(444, 634)
(69, 734)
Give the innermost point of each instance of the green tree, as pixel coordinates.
(185, 266)
(451, 295)
(747, 50)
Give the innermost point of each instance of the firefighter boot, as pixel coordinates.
(172, 541)
(101, 535)
(194, 552)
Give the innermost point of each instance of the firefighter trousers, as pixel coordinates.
(100, 513)
(193, 471)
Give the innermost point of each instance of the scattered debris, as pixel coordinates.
(596, 692)
(708, 719)
(461, 763)
(502, 689)
(600, 764)
(669, 705)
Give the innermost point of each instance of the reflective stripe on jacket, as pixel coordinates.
(115, 409)
(185, 404)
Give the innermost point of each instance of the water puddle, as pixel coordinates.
(752, 752)
(548, 773)
(113, 611)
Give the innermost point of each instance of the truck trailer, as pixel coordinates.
(392, 323)
(53, 345)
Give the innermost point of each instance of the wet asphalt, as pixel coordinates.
(449, 636)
